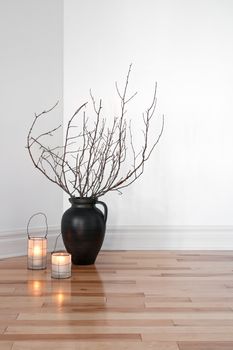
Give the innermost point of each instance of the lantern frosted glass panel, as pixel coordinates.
(37, 253)
(61, 265)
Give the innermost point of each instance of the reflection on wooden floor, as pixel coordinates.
(130, 300)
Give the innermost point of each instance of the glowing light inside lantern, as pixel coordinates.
(36, 251)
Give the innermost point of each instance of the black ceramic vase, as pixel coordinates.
(83, 229)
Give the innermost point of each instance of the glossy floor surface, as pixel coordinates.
(130, 300)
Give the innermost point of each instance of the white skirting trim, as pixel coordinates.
(14, 243)
(169, 237)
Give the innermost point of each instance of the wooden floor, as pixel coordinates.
(128, 301)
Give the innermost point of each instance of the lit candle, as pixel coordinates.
(37, 253)
(61, 265)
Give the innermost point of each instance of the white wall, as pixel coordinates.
(31, 42)
(184, 199)
(186, 45)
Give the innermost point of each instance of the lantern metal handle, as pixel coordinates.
(55, 245)
(46, 223)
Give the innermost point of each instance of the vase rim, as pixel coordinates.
(83, 200)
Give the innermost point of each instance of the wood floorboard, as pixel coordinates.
(6, 345)
(128, 300)
(205, 345)
(94, 345)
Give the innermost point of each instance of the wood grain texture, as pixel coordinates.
(206, 345)
(6, 345)
(161, 300)
(101, 345)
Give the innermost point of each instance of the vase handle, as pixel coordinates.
(105, 210)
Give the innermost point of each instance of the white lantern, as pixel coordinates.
(37, 248)
(37, 253)
(61, 265)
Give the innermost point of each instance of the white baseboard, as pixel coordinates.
(14, 243)
(169, 237)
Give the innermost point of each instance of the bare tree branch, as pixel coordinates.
(93, 159)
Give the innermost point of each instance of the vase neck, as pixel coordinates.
(86, 202)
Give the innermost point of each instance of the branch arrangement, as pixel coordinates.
(92, 160)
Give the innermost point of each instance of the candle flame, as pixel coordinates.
(62, 259)
(37, 251)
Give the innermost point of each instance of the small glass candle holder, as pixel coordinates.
(61, 265)
(37, 253)
(37, 248)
